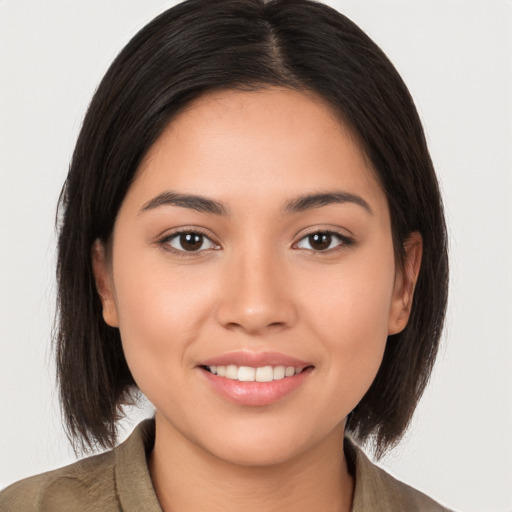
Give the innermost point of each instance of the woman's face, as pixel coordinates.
(254, 244)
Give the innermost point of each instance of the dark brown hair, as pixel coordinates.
(203, 45)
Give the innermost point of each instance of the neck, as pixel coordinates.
(187, 479)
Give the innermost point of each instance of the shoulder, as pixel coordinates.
(109, 482)
(85, 485)
(378, 491)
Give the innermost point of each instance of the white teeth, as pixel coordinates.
(260, 374)
(279, 372)
(264, 374)
(290, 370)
(246, 374)
(231, 371)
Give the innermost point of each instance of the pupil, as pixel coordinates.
(320, 241)
(191, 241)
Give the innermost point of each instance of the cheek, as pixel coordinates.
(160, 316)
(349, 315)
(355, 299)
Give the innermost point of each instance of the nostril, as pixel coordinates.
(253, 313)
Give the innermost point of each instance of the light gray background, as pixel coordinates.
(456, 57)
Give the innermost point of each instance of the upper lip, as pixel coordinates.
(255, 360)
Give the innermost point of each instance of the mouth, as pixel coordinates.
(254, 374)
(251, 379)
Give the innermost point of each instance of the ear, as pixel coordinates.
(405, 283)
(104, 286)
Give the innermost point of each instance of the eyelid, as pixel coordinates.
(345, 240)
(164, 240)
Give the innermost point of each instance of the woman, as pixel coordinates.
(252, 235)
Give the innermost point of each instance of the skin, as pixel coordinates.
(259, 285)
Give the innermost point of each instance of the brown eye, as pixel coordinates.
(323, 241)
(190, 241)
(320, 241)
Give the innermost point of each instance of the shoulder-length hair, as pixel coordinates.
(200, 46)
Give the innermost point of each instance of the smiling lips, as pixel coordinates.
(255, 379)
(249, 374)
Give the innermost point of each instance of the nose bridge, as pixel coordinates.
(255, 296)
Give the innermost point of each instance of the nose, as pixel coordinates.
(256, 297)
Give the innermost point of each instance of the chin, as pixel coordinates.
(254, 454)
(264, 445)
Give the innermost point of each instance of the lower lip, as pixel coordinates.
(255, 393)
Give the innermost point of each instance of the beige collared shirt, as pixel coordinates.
(119, 480)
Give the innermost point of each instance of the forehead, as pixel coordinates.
(264, 143)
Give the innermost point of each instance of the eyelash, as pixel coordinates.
(165, 242)
(344, 240)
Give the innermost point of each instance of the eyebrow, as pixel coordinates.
(194, 202)
(205, 205)
(310, 201)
